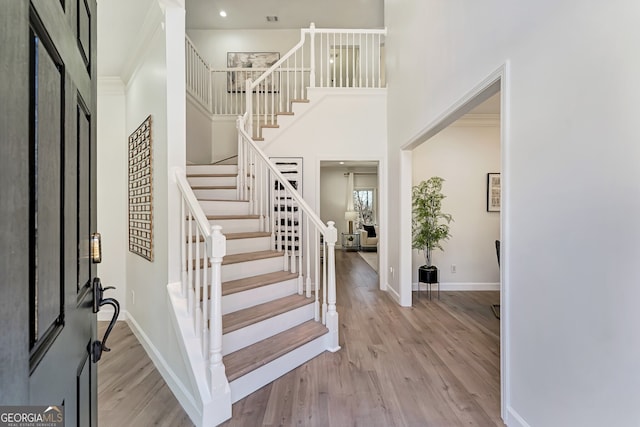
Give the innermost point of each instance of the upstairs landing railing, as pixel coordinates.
(325, 58)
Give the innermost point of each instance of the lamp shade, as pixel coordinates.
(350, 215)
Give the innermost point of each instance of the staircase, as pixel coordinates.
(268, 328)
(248, 309)
(260, 299)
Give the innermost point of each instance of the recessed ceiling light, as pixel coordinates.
(342, 163)
(223, 13)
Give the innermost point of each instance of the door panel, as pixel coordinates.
(47, 291)
(48, 192)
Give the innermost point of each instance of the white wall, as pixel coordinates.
(333, 193)
(156, 88)
(463, 155)
(199, 133)
(338, 127)
(213, 45)
(570, 185)
(112, 183)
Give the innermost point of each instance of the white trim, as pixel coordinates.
(193, 100)
(497, 81)
(393, 294)
(110, 86)
(477, 120)
(514, 419)
(152, 23)
(176, 386)
(459, 286)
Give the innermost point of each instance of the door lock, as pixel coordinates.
(97, 347)
(96, 248)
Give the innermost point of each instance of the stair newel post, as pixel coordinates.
(191, 265)
(217, 248)
(183, 248)
(197, 315)
(332, 315)
(204, 324)
(300, 250)
(307, 248)
(312, 64)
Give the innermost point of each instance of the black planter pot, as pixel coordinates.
(428, 274)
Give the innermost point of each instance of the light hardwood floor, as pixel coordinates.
(434, 364)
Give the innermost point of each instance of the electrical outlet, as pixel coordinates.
(133, 297)
(453, 268)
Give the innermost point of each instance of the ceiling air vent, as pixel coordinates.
(272, 18)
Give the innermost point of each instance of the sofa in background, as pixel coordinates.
(369, 237)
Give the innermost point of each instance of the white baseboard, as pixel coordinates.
(514, 419)
(393, 294)
(176, 386)
(105, 314)
(453, 286)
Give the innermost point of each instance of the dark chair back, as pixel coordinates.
(498, 251)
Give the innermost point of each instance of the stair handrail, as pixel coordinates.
(206, 322)
(254, 161)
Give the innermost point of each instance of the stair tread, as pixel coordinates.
(213, 187)
(285, 113)
(211, 175)
(202, 199)
(300, 100)
(247, 359)
(250, 256)
(247, 235)
(270, 125)
(247, 283)
(219, 217)
(248, 316)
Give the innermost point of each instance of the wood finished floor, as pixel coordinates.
(434, 364)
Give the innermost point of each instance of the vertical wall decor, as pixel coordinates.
(141, 191)
(493, 192)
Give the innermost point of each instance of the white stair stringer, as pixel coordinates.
(258, 378)
(214, 406)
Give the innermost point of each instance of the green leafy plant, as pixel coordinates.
(430, 225)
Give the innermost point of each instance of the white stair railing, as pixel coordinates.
(324, 57)
(307, 243)
(202, 250)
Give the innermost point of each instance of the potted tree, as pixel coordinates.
(430, 225)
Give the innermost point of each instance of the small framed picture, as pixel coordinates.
(493, 192)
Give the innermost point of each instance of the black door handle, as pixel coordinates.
(98, 301)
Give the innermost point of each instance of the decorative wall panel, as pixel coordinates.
(141, 191)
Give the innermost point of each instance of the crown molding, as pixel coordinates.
(110, 85)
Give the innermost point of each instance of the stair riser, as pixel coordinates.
(212, 180)
(212, 169)
(249, 298)
(262, 376)
(221, 207)
(237, 225)
(220, 194)
(237, 246)
(242, 270)
(259, 331)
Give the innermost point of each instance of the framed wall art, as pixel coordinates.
(493, 192)
(246, 62)
(141, 191)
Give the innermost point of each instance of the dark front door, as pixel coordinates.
(47, 205)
